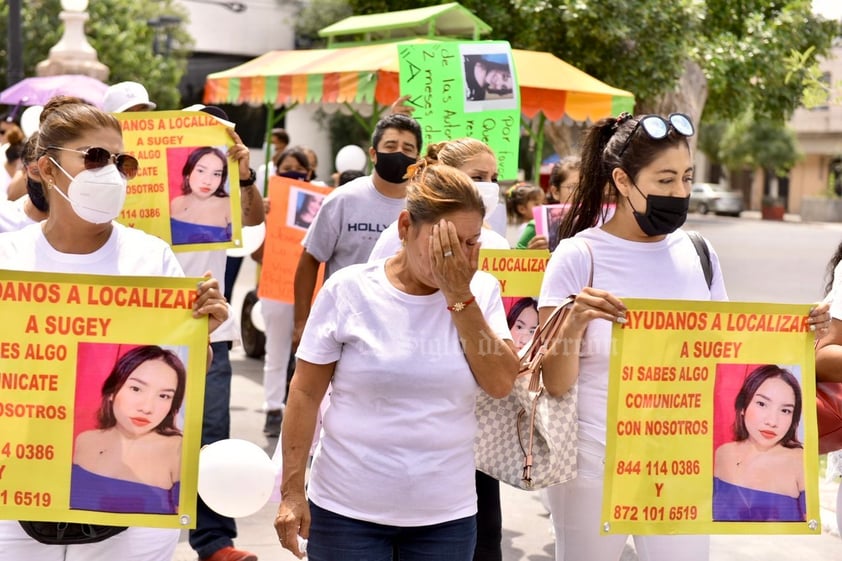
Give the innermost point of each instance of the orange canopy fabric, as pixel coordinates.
(369, 73)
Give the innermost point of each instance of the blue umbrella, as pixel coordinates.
(551, 159)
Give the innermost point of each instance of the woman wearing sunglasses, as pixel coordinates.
(84, 172)
(202, 212)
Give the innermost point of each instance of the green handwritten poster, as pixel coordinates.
(465, 89)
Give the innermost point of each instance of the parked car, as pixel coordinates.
(712, 197)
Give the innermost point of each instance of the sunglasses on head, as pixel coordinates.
(657, 127)
(96, 158)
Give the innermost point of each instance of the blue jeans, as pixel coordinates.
(214, 531)
(338, 538)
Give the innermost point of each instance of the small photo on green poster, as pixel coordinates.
(488, 75)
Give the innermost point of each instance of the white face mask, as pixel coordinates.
(490, 193)
(96, 195)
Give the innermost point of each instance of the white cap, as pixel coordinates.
(217, 113)
(124, 95)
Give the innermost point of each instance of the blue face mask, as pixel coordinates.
(297, 175)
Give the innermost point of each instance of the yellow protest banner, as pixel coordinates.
(294, 205)
(711, 421)
(186, 191)
(101, 396)
(520, 271)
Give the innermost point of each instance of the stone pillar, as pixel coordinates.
(73, 54)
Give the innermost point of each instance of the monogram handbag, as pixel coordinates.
(528, 438)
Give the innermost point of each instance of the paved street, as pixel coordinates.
(762, 261)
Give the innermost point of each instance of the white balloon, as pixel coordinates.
(30, 120)
(257, 316)
(236, 477)
(351, 157)
(252, 238)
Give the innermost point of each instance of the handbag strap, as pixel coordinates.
(533, 353)
(531, 358)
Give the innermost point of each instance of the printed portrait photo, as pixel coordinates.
(200, 195)
(758, 470)
(127, 429)
(548, 221)
(489, 77)
(302, 208)
(522, 318)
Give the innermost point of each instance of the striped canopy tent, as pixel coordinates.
(364, 79)
(368, 74)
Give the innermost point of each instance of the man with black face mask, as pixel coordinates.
(351, 218)
(32, 207)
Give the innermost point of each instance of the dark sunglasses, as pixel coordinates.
(96, 158)
(657, 127)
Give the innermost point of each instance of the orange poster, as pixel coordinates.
(293, 206)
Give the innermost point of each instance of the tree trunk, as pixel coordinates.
(565, 136)
(688, 97)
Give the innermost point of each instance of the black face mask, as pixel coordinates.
(664, 215)
(298, 175)
(392, 166)
(36, 194)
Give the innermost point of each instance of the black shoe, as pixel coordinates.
(272, 428)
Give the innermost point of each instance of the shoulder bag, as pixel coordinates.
(69, 533)
(528, 438)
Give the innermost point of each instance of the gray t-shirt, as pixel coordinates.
(348, 224)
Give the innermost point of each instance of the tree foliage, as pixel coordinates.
(122, 36)
(744, 50)
(644, 45)
(740, 67)
(316, 15)
(750, 142)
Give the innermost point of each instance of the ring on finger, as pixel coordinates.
(448, 253)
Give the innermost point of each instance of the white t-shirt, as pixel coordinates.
(397, 444)
(666, 269)
(12, 215)
(348, 224)
(128, 252)
(389, 242)
(196, 264)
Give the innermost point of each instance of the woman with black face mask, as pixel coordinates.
(32, 207)
(292, 163)
(645, 166)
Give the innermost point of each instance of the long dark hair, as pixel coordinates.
(831, 268)
(604, 144)
(750, 386)
(191, 162)
(127, 364)
(518, 307)
(298, 154)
